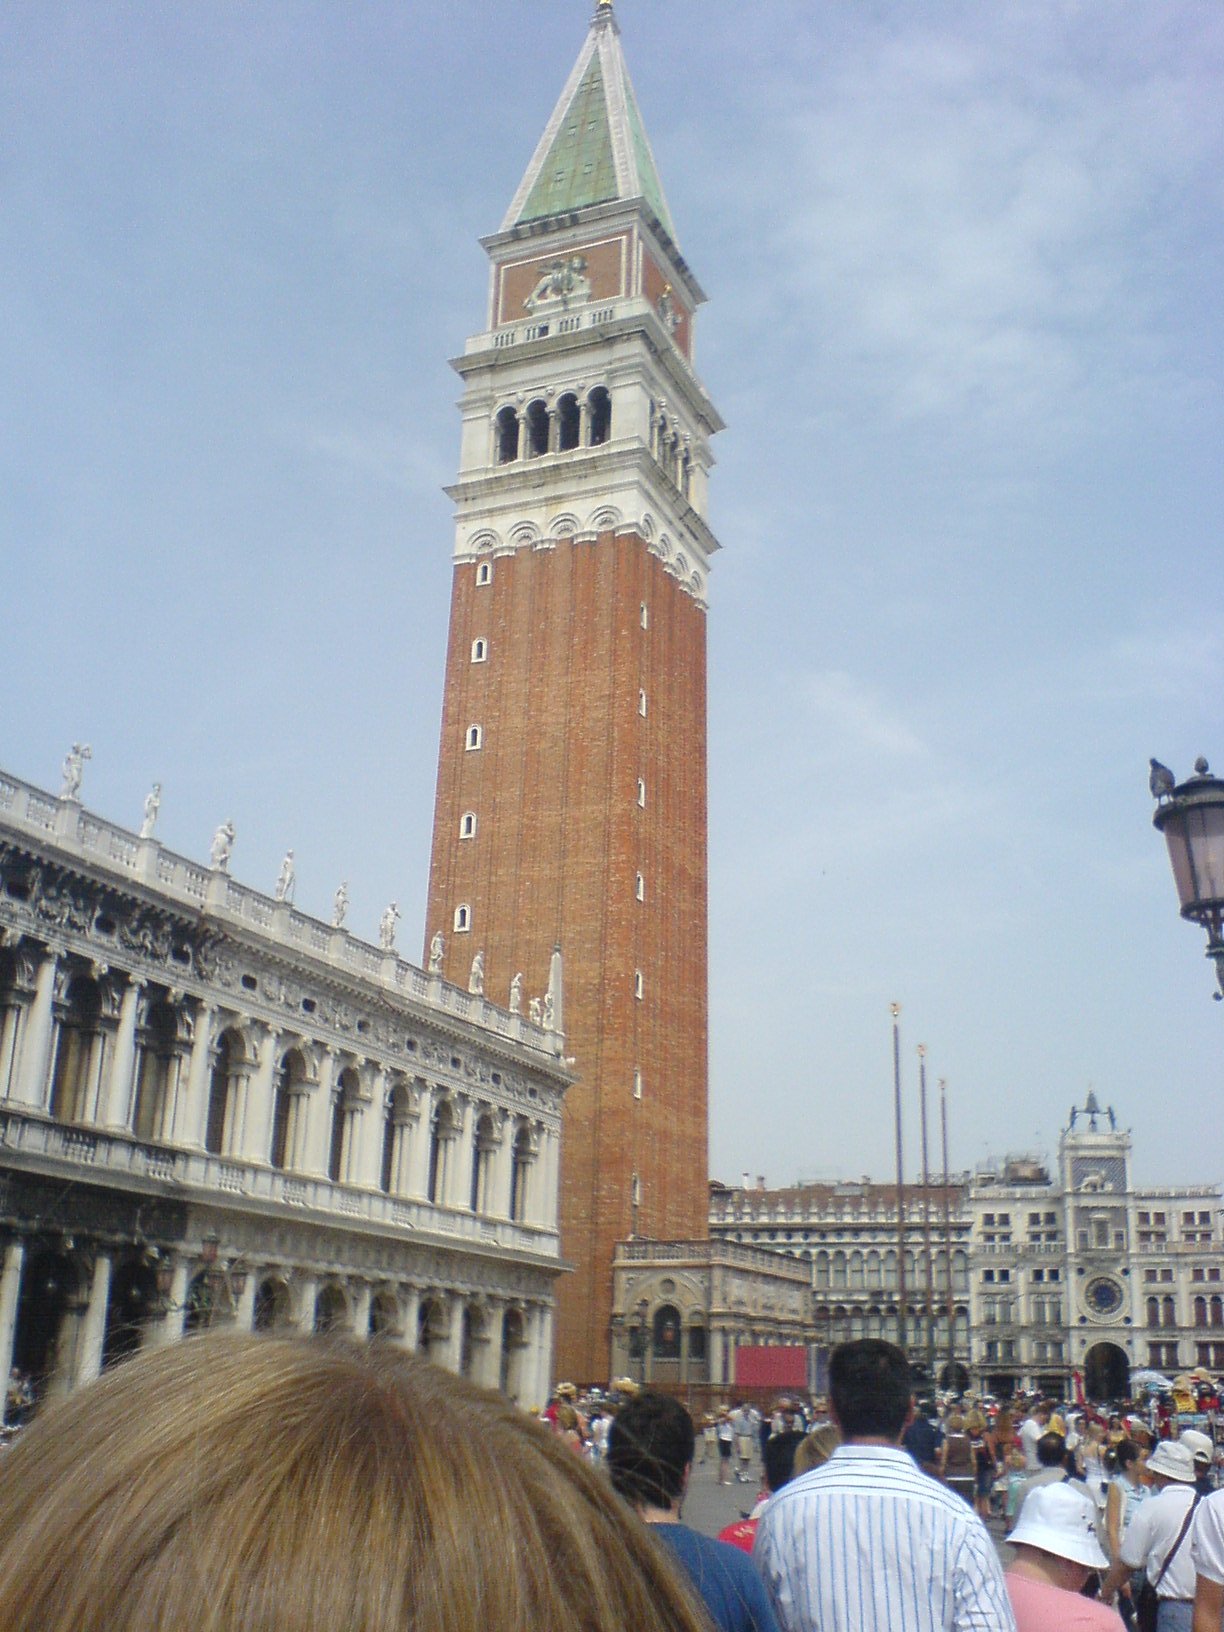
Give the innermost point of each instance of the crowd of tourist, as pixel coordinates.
(261, 1484)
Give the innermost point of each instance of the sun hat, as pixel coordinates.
(1199, 1445)
(1060, 1519)
(1173, 1460)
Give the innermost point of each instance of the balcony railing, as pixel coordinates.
(228, 1181)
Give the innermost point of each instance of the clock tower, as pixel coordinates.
(571, 797)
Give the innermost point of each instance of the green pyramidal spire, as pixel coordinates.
(594, 149)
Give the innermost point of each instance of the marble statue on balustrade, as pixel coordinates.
(533, 1011)
(286, 880)
(476, 979)
(222, 847)
(340, 906)
(152, 805)
(437, 948)
(386, 927)
(548, 1011)
(516, 994)
(74, 769)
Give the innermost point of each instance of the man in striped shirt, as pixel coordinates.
(868, 1543)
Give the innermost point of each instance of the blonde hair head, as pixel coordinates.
(260, 1484)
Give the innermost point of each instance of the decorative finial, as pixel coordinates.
(1201, 767)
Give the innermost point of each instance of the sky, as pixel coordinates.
(966, 274)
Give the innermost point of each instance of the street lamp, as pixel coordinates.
(1191, 816)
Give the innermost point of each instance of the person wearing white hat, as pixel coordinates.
(1156, 1541)
(1056, 1551)
(1202, 1449)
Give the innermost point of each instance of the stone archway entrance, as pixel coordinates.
(1106, 1373)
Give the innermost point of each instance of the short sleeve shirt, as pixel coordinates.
(1207, 1538)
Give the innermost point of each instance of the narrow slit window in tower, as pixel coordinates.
(484, 574)
(463, 919)
(506, 433)
(473, 739)
(480, 650)
(467, 825)
(568, 422)
(537, 429)
(600, 403)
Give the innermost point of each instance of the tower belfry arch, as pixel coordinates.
(571, 800)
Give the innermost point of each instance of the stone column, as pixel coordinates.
(501, 1171)
(545, 1210)
(546, 1356)
(459, 1190)
(362, 1297)
(365, 1141)
(491, 1371)
(454, 1337)
(34, 1070)
(411, 1318)
(192, 1124)
(116, 1093)
(418, 1154)
(169, 1329)
(244, 1315)
(307, 1295)
(10, 1036)
(254, 1134)
(10, 1285)
(315, 1119)
(93, 1328)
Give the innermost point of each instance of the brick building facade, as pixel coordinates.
(571, 800)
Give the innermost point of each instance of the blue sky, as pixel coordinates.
(965, 274)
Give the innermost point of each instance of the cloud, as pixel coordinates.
(979, 220)
(853, 716)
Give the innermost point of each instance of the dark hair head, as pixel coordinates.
(779, 1458)
(1051, 1450)
(1126, 1452)
(650, 1444)
(869, 1388)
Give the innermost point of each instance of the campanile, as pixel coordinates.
(571, 798)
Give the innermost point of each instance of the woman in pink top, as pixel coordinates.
(1056, 1551)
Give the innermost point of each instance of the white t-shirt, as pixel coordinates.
(1030, 1433)
(1150, 1536)
(1206, 1539)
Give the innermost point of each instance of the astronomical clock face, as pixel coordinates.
(1103, 1296)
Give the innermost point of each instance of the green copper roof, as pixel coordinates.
(595, 147)
(579, 168)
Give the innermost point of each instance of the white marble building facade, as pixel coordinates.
(214, 1108)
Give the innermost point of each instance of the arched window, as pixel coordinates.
(641, 793)
(1168, 1312)
(286, 1109)
(639, 887)
(637, 1083)
(506, 436)
(666, 1333)
(1217, 1312)
(569, 421)
(230, 1066)
(473, 739)
(346, 1109)
(1200, 1311)
(639, 985)
(519, 1171)
(393, 1168)
(1153, 1311)
(156, 1073)
(599, 408)
(441, 1137)
(331, 1312)
(467, 825)
(79, 1052)
(642, 704)
(839, 1269)
(484, 574)
(463, 919)
(644, 616)
(537, 429)
(480, 650)
(273, 1306)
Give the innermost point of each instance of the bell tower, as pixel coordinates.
(571, 796)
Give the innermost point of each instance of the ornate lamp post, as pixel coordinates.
(1191, 816)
